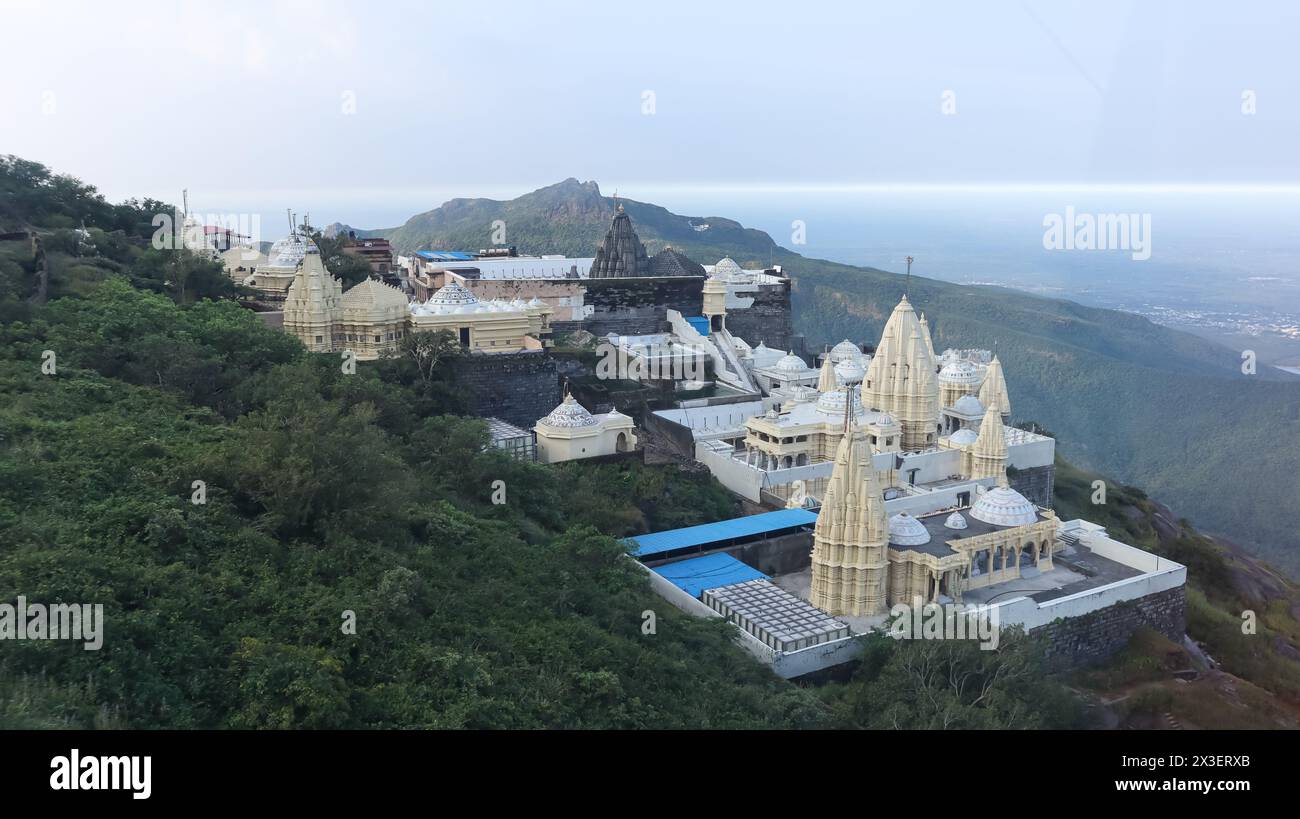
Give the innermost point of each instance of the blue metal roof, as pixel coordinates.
(700, 323)
(723, 530)
(699, 574)
(446, 255)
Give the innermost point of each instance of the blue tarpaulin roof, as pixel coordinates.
(722, 531)
(699, 574)
(700, 323)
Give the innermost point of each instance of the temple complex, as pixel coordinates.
(890, 473)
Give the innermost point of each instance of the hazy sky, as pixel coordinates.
(247, 104)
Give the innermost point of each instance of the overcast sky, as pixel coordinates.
(380, 102)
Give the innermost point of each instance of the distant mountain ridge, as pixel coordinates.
(569, 218)
(1151, 405)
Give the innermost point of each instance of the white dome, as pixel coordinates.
(726, 268)
(968, 405)
(1004, 506)
(955, 521)
(763, 356)
(845, 351)
(832, 402)
(884, 419)
(791, 363)
(452, 295)
(569, 415)
(905, 530)
(849, 371)
(959, 372)
(289, 251)
(963, 437)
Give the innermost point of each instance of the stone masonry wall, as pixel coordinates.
(637, 306)
(1035, 483)
(518, 387)
(768, 320)
(1095, 636)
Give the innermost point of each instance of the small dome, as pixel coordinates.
(791, 363)
(884, 419)
(845, 351)
(726, 268)
(905, 530)
(849, 371)
(763, 356)
(968, 405)
(963, 437)
(959, 372)
(452, 295)
(955, 521)
(289, 251)
(569, 415)
(1004, 506)
(832, 402)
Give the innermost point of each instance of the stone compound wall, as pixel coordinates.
(1035, 483)
(638, 306)
(768, 320)
(1097, 635)
(518, 387)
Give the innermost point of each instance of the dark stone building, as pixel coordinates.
(669, 262)
(639, 306)
(1035, 483)
(621, 254)
(768, 319)
(517, 387)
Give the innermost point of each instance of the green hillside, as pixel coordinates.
(1151, 405)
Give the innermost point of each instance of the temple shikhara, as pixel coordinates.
(887, 473)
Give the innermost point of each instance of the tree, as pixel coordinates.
(427, 353)
(185, 276)
(949, 684)
(349, 269)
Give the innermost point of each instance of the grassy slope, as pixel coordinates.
(1257, 683)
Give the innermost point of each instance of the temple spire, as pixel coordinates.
(621, 253)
